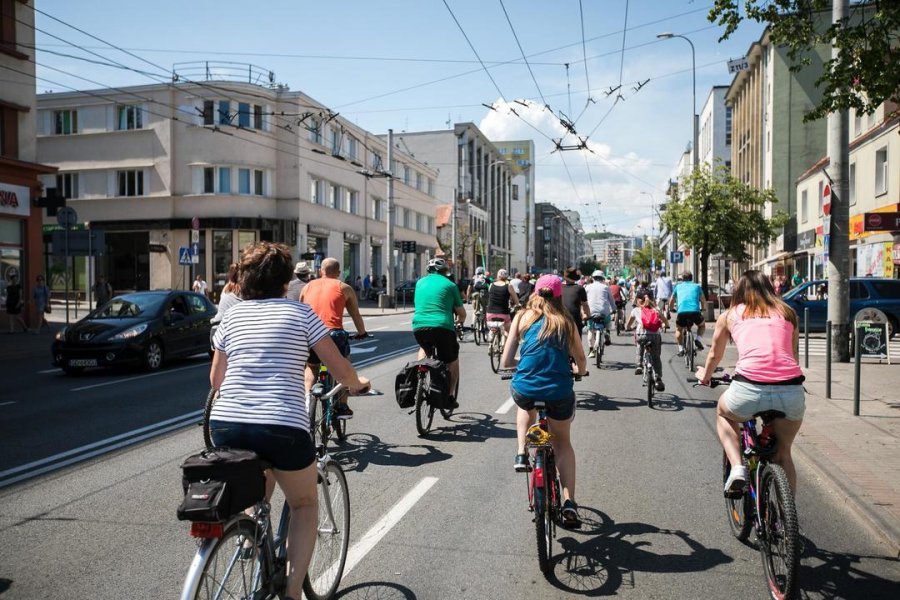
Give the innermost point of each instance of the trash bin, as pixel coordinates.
(385, 301)
(710, 311)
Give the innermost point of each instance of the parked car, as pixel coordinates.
(406, 290)
(871, 299)
(714, 293)
(143, 328)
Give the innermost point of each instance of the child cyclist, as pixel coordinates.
(546, 337)
(649, 320)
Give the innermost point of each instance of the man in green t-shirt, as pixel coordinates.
(437, 301)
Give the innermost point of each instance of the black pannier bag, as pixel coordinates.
(219, 483)
(438, 392)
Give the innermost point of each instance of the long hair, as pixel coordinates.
(557, 326)
(232, 285)
(755, 291)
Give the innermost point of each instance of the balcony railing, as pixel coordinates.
(222, 70)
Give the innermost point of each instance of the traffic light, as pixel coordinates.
(53, 201)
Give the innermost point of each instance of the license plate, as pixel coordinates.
(83, 362)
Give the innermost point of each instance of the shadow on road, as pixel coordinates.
(360, 450)
(825, 574)
(586, 400)
(611, 553)
(469, 427)
(377, 590)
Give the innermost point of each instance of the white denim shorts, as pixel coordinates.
(746, 399)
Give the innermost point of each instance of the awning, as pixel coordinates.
(771, 259)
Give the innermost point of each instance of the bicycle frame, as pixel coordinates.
(757, 459)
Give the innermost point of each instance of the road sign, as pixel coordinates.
(195, 223)
(195, 236)
(184, 255)
(66, 216)
(676, 256)
(195, 254)
(826, 200)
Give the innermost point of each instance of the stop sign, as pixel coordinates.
(826, 199)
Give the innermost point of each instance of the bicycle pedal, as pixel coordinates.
(734, 494)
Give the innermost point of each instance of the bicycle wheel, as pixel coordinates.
(313, 409)
(651, 378)
(598, 349)
(227, 567)
(779, 540)
(207, 410)
(340, 428)
(327, 564)
(476, 332)
(542, 516)
(496, 351)
(738, 509)
(424, 412)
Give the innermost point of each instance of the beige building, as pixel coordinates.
(247, 161)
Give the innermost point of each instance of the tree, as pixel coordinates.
(867, 72)
(719, 214)
(644, 258)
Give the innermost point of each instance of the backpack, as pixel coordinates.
(650, 320)
(407, 380)
(219, 483)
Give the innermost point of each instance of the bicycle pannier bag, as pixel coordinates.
(438, 393)
(650, 320)
(405, 386)
(219, 483)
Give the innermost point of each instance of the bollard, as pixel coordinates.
(806, 337)
(856, 374)
(828, 359)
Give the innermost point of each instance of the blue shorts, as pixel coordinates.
(286, 448)
(558, 410)
(341, 339)
(746, 399)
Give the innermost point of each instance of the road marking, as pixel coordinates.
(357, 350)
(504, 408)
(118, 381)
(386, 523)
(379, 328)
(7, 403)
(383, 357)
(45, 371)
(406, 323)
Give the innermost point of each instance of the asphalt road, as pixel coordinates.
(648, 485)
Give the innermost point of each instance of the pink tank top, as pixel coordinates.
(765, 347)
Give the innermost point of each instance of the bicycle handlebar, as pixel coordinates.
(713, 381)
(508, 374)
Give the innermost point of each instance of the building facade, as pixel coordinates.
(714, 141)
(245, 162)
(21, 247)
(555, 245)
(520, 155)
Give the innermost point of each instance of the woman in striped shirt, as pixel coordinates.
(261, 348)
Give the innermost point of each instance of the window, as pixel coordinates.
(353, 202)
(243, 181)
(431, 187)
(420, 182)
(546, 235)
(67, 184)
(129, 117)
(65, 122)
(257, 116)
(259, 182)
(430, 224)
(821, 198)
(852, 184)
(857, 123)
(377, 163)
(224, 112)
(420, 222)
(336, 135)
(408, 216)
(243, 114)
(858, 291)
(881, 171)
(224, 180)
(315, 130)
(804, 206)
(406, 174)
(9, 132)
(727, 125)
(378, 209)
(209, 109)
(871, 122)
(316, 191)
(131, 183)
(209, 180)
(887, 289)
(334, 196)
(351, 147)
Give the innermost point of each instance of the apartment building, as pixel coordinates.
(520, 155)
(249, 161)
(21, 247)
(714, 141)
(874, 187)
(555, 244)
(472, 173)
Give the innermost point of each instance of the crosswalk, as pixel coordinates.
(817, 347)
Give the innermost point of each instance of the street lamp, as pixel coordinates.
(652, 232)
(696, 121)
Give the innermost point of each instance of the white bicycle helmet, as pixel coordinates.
(437, 265)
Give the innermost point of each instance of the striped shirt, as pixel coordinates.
(267, 343)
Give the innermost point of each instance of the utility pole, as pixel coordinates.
(839, 241)
(453, 234)
(389, 236)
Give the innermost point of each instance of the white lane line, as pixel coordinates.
(53, 370)
(406, 323)
(7, 403)
(378, 328)
(118, 381)
(504, 408)
(386, 523)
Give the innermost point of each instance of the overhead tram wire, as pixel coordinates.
(587, 77)
(474, 51)
(624, 34)
(525, 58)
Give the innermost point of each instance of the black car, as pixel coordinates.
(143, 328)
(406, 291)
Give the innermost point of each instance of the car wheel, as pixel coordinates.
(153, 355)
(876, 316)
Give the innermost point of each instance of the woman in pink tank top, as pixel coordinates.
(767, 375)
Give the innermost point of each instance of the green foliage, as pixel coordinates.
(643, 259)
(867, 72)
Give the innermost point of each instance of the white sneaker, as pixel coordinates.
(736, 479)
(592, 354)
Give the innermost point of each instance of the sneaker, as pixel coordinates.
(342, 411)
(452, 404)
(569, 513)
(608, 341)
(638, 371)
(680, 351)
(660, 386)
(698, 344)
(521, 465)
(592, 354)
(736, 479)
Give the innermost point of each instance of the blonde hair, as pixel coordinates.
(557, 323)
(755, 291)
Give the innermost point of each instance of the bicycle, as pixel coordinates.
(479, 328)
(766, 505)
(688, 346)
(244, 558)
(650, 376)
(323, 418)
(495, 343)
(598, 326)
(620, 319)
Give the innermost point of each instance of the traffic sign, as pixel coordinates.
(826, 200)
(195, 253)
(184, 255)
(195, 223)
(66, 216)
(195, 236)
(676, 256)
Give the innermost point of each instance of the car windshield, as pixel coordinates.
(130, 306)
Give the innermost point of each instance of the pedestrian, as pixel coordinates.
(200, 286)
(15, 302)
(358, 286)
(231, 294)
(384, 282)
(301, 278)
(663, 290)
(796, 280)
(367, 286)
(41, 296)
(102, 291)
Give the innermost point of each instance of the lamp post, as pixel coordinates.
(695, 120)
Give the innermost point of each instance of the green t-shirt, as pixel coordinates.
(435, 298)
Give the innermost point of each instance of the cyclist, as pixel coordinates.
(647, 331)
(601, 302)
(328, 296)
(437, 302)
(545, 338)
(261, 348)
(502, 298)
(574, 299)
(301, 270)
(688, 298)
(662, 287)
(476, 290)
(767, 374)
(617, 288)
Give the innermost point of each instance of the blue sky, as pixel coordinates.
(374, 62)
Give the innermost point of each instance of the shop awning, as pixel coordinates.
(771, 259)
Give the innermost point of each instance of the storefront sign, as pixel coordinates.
(806, 239)
(875, 259)
(15, 200)
(873, 339)
(873, 221)
(738, 64)
(318, 231)
(352, 237)
(376, 241)
(895, 254)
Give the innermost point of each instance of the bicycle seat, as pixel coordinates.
(768, 415)
(317, 389)
(538, 404)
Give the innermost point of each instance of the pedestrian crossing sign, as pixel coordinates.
(184, 255)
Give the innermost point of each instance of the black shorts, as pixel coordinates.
(439, 342)
(686, 319)
(558, 410)
(341, 339)
(286, 448)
